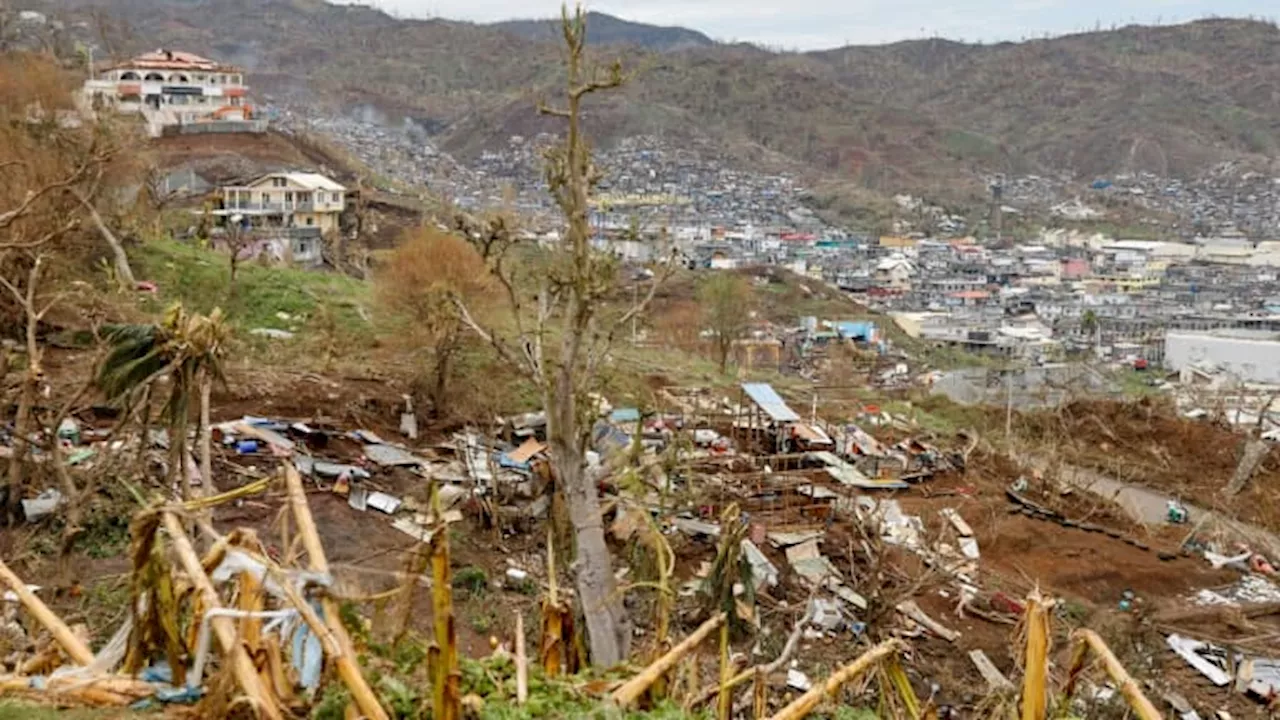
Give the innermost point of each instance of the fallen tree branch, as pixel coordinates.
(98, 690)
(349, 672)
(766, 669)
(1089, 640)
(635, 687)
(805, 704)
(79, 653)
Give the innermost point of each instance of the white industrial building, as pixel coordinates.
(1251, 356)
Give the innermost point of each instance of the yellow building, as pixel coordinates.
(287, 200)
(897, 241)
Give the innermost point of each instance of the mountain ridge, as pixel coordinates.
(923, 116)
(605, 29)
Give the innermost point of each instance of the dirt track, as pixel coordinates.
(1145, 444)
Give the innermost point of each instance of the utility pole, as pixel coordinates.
(1008, 412)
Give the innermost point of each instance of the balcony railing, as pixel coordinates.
(255, 207)
(281, 207)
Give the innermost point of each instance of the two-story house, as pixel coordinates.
(293, 209)
(287, 200)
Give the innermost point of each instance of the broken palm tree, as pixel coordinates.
(187, 347)
(557, 642)
(154, 601)
(1035, 662)
(442, 656)
(730, 576)
(224, 628)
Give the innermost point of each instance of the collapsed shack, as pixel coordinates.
(848, 546)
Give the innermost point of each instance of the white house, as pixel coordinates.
(286, 200)
(894, 273)
(175, 90)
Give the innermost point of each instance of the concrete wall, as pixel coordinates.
(219, 126)
(1254, 358)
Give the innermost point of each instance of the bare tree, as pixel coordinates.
(238, 241)
(35, 305)
(725, 300)
(570, 305)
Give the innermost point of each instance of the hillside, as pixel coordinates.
(610, 30)
(927, 115)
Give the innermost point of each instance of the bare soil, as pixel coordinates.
(1147, 444)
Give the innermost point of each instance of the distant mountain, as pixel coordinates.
(929, 117)
(609, 30)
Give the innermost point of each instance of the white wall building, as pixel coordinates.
(173, 89)
(1249, 356)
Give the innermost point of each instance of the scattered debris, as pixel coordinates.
(41, 505)
(912, 611)
(996, 681)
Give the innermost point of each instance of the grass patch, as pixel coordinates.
(970, 146)
(1137, 383)
(200, 278)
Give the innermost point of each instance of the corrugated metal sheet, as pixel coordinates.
(770, 402)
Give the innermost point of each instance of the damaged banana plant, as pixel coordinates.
(442, 656)
(557, 644)
(730, 576)
(154, 600)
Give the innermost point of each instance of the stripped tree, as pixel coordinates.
(570, 309)
(51, 174)
(725, 300)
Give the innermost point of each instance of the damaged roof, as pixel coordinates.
(763, 395)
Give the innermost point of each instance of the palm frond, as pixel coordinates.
(136, 356)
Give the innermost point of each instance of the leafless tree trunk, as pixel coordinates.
(569, 297)
(23, 424)
(124, 272)
(601, 602)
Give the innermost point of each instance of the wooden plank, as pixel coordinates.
(996, 681)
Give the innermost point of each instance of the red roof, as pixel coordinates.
(798, 237)
(971, 295)
(174, 60)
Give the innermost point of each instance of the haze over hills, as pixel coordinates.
(924, 116)
(609, 30)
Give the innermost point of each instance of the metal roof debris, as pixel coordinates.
(768, 400)
(391, 456)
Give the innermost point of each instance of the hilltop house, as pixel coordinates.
(297, 207)
(175, 92)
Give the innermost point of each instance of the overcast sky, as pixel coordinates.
(814, 24)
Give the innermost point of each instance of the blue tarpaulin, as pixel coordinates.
(851, 330)
(624, 415)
